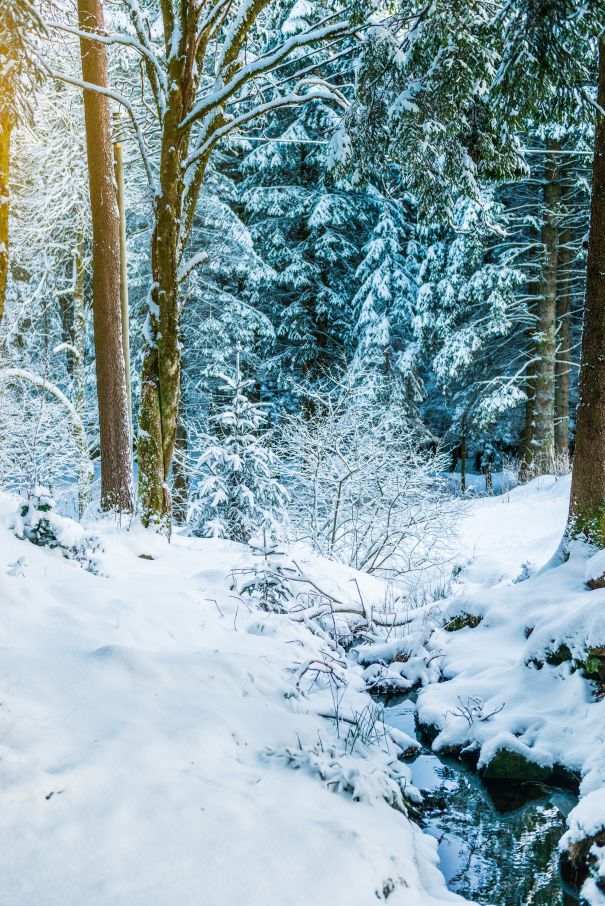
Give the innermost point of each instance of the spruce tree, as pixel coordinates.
(238, 494)
(385, 299)
(467, 322)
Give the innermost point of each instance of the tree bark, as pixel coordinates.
(543, 424)
(525, 440)
(116, 477)
(587, 503)
(563, 351)
(86, 473)
(5, 136)
(180, 479)
(162, 362)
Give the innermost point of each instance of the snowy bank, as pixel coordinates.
(516, 655)
(146, 716)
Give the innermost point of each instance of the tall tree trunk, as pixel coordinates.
(5, 136)
(124, 307)
(527, 432)
(116, 477)
(563, 342)
(159, 405)
(543, 439)
(587, 503)
(85, 472)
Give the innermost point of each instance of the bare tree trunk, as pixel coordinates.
(563, 344)
(587, 504)
(463, 460)
(543, 426)
(5, 136)
(525, 441)
(116, 477)
(124, 307)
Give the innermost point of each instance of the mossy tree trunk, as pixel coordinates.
(162, 365)
(180, 478)
(587, 503)
(191, 33)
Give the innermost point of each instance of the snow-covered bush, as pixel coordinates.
(368, 777)
(42, 441)
(238, 494)
(364, 489)
(36, 522)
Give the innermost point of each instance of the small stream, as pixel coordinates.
(496, 846)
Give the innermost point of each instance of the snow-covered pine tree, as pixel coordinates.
(469, 321)
(310, 232)
(424, 99)
(267, 582)
(238, 494)
(384, 305)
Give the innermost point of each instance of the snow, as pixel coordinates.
(595, 567)
(139, 713)
(510, 743)
(164, 741)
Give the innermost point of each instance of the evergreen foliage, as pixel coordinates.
(238, 493)
(468, 317)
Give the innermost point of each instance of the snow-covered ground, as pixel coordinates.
(161, 742)
(138, 714)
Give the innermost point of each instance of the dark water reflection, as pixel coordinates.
(496, 846)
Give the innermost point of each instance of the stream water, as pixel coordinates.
(496, 846)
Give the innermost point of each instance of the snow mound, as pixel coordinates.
(595, 567)
(136, 711)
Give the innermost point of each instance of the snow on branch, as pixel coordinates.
(261, 65)
(119, 99)
(320, 91)
(10, 375)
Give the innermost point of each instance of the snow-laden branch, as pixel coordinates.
(261, 65)
(319, 91)
(214, 16)
(68, 347)
(124, 102)
(189, 266)
(10, 375)
(158, 82)
(116, 38)
(245, 17)
(312, 67)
